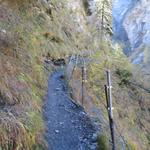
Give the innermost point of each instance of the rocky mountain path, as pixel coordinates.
(68, 126)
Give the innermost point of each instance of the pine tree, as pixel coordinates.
(104, 13)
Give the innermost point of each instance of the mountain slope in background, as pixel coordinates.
(131, 24)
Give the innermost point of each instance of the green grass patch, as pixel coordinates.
(103, 142)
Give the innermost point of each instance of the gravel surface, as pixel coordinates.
(68, 126)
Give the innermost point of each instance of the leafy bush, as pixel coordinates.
(124, 76)
(148, 138)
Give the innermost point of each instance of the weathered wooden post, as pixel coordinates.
(82, 85)
(84, 79)
(77, 57)
(108, 92)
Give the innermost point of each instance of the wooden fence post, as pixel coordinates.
(82, 85)
(108, 92)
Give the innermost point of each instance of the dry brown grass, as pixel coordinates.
(13, 133)
(131, 103)
(22, 85)
(23, 47)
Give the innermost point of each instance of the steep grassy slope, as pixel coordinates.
(22, 79)
(130, 97)
(29, 32)
(130, 90)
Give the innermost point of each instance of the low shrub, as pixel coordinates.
(124, 76)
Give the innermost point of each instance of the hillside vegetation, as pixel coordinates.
(29, 31)
(32, 31)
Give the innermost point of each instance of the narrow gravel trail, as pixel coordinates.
(68, 126)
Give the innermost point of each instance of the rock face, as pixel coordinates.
(132, 26)
(137, 25)
(120, 9)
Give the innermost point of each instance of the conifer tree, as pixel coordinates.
(104, 13)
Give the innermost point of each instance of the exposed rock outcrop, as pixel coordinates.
(131, 25)
(120, 9)
(137, 25)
